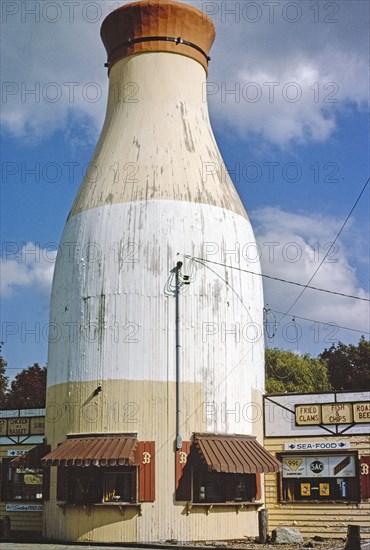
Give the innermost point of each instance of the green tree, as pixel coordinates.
(349, 365)
(288, 372)
(28, 389)
(3, 383)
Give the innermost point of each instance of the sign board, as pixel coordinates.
(316, 445)
(324, 489)
(18, 426)
(307, 415)
(361, 412)
(319, 466)
(22, 426)
(313, 414)
(3, 427)
(32, 479)
(23, 507)
(305, 489)
(16, 452)
(37, 425)
(337, 413)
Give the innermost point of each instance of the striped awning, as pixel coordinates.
(94, 451)
(235, 454)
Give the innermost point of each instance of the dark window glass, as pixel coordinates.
(321, 489)
(223, 487)
(20, 483)
(89, 485)
(320, 478)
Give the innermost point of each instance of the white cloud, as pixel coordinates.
(298, 100)
(61, 80)
(292, 247)
(66, 58)
(295, 78)
(32, 268)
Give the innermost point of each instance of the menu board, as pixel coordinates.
(337, 413)
(18, 426)
(3, 427)
(22, 426)
(361, 412)
(319, 466)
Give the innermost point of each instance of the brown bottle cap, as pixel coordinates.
(157, 26)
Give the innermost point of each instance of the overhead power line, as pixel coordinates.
(201, 260)
(330, 248)
(333, 324)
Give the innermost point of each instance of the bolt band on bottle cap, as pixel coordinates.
(157, 26)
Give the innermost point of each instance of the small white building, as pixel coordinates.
(323, 442)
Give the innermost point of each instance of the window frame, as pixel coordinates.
(192, 472)
(202, 477)
(7, 485)
(67, 477)
(323, 500)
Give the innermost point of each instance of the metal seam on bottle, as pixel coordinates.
(177, 40)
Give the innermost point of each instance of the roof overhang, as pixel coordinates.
(32, 458)
(94, 451)
(239, 454)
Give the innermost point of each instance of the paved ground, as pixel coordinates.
(324, 545)
(41, 546)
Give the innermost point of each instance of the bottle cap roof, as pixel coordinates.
(157, 26)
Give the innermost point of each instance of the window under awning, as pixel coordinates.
(235, 454)
(94, 451)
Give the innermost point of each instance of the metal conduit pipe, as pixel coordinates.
(178, 347)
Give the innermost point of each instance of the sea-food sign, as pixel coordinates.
(22, 426)
(319, 466)
(332, 413)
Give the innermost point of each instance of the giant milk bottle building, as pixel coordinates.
(156, 404)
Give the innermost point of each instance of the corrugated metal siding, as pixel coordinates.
(163, 518)
(169, 209)
(173, 140)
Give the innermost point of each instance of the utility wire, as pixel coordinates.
(201, 260)
(321, 322)
(331, 246)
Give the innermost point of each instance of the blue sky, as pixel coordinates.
(289, 103)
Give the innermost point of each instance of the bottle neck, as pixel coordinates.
(159, 82)
(157, 142)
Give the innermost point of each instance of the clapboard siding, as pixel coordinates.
(22, 521)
